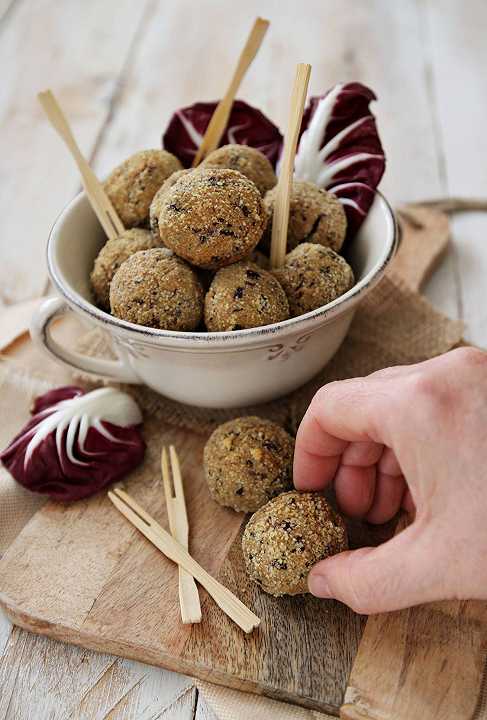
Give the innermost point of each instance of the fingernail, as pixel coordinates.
(318, 585)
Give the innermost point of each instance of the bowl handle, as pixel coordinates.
(40, 331)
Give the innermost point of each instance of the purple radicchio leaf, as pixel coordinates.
(246, 126)
(76, 443)
(340, 150)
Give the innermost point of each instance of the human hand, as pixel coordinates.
(413, 437)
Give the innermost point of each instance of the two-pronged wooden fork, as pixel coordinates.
(171, 548)
(178, 524)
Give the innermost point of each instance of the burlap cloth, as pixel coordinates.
(394, 325)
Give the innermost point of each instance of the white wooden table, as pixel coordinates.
(119, 69)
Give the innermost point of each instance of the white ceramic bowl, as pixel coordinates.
(216, 370)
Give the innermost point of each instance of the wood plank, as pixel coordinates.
(456, 38)
(333, 24)
(55, 693)
(5, 632)
(74, 48)
(127, 602)
(65, 681)
(372, 45)
(426, 662)
(132, 690)
(98, 583)
(15, 321)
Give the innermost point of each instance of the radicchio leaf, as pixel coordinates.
(76, 443)
(340, 150)
(246, 126)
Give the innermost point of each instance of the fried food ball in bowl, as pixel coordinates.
(313, 276)
(156, 289)
(112, 255)
(244, 295)
(155, 206)
(131, 186)
(217, 369)
(315, 216)
(248, 161)
(212, 218)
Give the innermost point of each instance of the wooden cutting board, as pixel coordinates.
(82, 574)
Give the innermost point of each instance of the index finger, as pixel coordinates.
(340, 413)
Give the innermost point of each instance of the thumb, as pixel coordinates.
(402, 572)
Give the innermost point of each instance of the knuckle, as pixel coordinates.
(324, 396)
(470, 357)
(327, 390)
(434, 388)
(423, 387)
(321, 394)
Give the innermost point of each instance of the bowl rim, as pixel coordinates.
(150, 335)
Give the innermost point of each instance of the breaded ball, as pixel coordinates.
(111, 256)
(315, 216)
(285, 538)
(212, 218)
(247, 461)
(132, 185)
(312, 276)
(155, 206)
(157, 289)
(247, 160)
(244, 295)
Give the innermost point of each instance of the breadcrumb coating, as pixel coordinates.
(315, 216)
(132, 185)
(286, 537)
(247, 461)
(313, 276)
(247, 160)
(157, 289)
(212, 217)
(244, 295)
(111, 256)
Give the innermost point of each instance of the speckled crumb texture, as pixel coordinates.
(312, 276)
(112, 255)
(247, 461)
(286, 537)
(132, 185)
(244, 295)
(246, 160)
(217, 219)
(155, 206)
(315, 216)
(157, 289)
(212, 217)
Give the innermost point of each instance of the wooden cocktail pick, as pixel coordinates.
(219, 119)
(189, 599)
(281, 209)
(226, 600)
(97, 196)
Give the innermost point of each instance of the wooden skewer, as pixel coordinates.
(281, 208)
(226, 600)
(97, 196)
(189, 599)
(219, 119)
